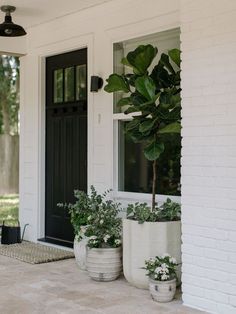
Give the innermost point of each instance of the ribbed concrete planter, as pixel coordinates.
(142, 241)
(104, 264)
(80, 251)
(162, 291)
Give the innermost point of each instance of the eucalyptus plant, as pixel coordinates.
(84, 206)
(153, 100)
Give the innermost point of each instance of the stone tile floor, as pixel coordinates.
(60, 287)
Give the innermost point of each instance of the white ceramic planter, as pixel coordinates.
(104, 264)
(162, 291)
(142, 241)
(80, 251)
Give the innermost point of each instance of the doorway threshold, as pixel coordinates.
(56, 243)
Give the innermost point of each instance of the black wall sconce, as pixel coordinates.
(96, 83)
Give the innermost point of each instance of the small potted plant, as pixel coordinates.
(104, 242)
(161, 271)
(83, 207)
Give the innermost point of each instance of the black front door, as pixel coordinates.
(66, 140)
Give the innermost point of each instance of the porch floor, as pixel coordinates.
(60, 287)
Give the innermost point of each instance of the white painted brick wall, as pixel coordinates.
(208, 44)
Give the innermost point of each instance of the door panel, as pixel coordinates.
(66, 140)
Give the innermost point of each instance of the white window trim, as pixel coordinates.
(122, 195)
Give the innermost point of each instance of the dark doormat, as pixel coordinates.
(34, 253)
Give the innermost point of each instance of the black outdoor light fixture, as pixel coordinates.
(8, 28)
(96, 83)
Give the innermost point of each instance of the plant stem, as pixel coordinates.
(154, 171)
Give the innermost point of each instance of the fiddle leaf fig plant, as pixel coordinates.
(153, 93)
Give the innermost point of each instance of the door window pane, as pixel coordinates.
(69, 84)
(58, 86)
(135, 171)
(81, 79)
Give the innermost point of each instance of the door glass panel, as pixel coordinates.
(81, 88)
(58, 86)
(69, 84)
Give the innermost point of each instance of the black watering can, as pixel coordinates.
(12, 234)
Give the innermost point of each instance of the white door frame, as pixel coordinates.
(55, 49)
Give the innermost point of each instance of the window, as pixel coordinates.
(133, 171)
(70, 84)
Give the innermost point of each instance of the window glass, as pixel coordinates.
(81, 79)
(58, 86)
(135, 171)
(69, 84)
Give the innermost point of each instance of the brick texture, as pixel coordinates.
(208, 44)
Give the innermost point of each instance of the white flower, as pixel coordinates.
(101, 221)
(158, 270)
(164, 277)
(89, 218)
(165, 255)
(173, 260)
(164, 266)
(93, 238)
(106, 238)
(117, 242)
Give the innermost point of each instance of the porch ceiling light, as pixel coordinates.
(8, 28)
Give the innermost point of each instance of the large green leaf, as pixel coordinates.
(154, 150)
(132, 124)
(146, 87)
(124, 101)
(116, 83)
(161, 77)
(141, 58)
(169, 99)
(136, 136)
(174, 54)
(174, 114)
(174, 127)
(131, 109)
(166, 62)
(147, 125)
(137, 99)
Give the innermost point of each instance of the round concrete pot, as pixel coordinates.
(150, 239)
(80, 248)
(162, 291)
(104, 264)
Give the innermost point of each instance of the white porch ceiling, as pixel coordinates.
(33, 12)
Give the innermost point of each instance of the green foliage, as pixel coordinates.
(161, 268)
(84, 206)
(169, 211)
(9, 94)
(117, 83)
(140, 59)
(154, 95)
(140, 212)
(104, 226)
(9, 207)
(153, 151)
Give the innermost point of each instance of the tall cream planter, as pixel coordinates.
(142, 241)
